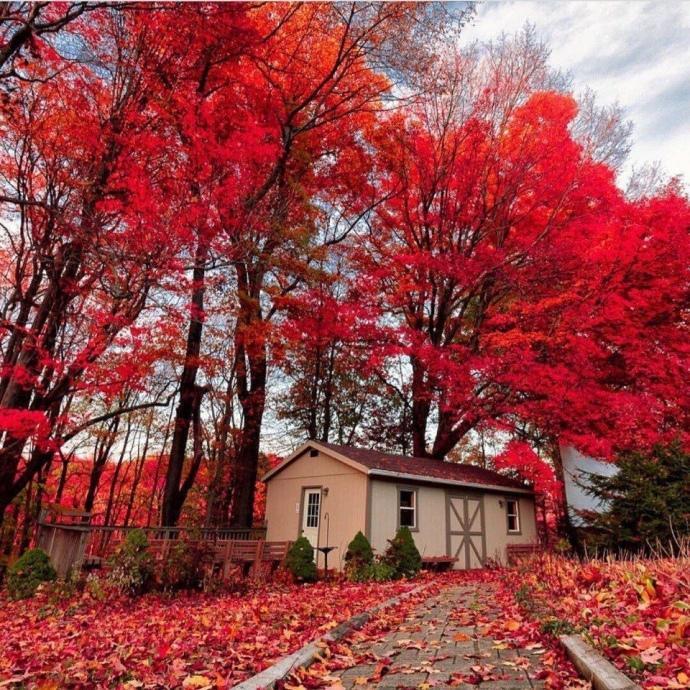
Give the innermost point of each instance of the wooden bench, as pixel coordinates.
(251, 554)
(242, 553)
(275, 553)
(516, 552)
(438, 563)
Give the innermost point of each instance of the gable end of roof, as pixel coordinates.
(316, 445)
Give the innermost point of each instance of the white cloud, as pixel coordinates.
(635, 53)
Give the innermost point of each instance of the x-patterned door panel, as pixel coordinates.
(466, 539)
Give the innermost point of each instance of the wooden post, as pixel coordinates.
(256, 567)
(227, 555)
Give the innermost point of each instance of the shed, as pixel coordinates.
(328, 492)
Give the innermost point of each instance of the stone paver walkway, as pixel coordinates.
(438, 647)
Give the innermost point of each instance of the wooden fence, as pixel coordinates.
(71, 544)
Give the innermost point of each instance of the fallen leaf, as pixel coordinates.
(197, 682)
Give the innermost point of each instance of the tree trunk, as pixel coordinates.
(220, 494)
(251, 363)
(312, 426)
(190, 393)
(8, 532)
(39, 346)
(421, 405)
(247, 463)
(566, 523)
(116, 474)
(139, 464)
(159, 462)
(449, 432)
(101, 457)
(328, 395)
(62, 481)
(26, 522)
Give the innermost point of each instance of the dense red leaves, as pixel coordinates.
(136, 491)
(23, 423)
(521, 458)
(207, 131)
(160, 641)
(200, 195)
(518, 282)
(636, 612)
(620, 358)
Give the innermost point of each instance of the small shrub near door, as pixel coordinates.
(359, 558)
(300, 561)
(132, 565)
(402, 554)
(32, 569)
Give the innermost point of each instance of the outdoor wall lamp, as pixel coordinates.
(325, 491)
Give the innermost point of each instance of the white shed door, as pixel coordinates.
(311, 515)
(466, 531)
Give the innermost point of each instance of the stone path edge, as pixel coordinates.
(593, 667)
(310, 651)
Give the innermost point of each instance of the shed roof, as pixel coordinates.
(376, 463)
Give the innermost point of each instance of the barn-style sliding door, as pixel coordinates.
(465, 521)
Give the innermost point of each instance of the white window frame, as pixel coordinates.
(413, 509)
(312, 515)
(515, 515)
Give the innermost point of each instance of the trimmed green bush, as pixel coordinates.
(358, 557)
(132, 565)
(359, 551)
(28, 572)
(300, 561)
(402, 554)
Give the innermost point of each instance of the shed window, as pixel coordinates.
(513, 513)
(407, 507)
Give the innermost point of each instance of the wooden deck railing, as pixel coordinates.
(104, 539)
(73, 543)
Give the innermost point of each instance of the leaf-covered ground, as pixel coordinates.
(470, 635)
(186, 640)
(636, 612)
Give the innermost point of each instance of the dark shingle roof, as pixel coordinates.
(427, 468)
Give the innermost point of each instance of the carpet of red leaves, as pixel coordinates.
(496, 615)
(185, 640)
(636, 612)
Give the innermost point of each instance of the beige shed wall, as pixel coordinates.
(430, 535)
(345, 503)
(497, 537)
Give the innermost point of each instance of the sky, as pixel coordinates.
(633, 52)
